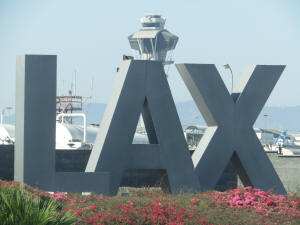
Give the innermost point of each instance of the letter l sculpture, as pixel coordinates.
(34, 159)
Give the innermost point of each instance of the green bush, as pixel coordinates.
(20, 207)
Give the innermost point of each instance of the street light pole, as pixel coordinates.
(266, 117)
(2, 113)
(227, 66)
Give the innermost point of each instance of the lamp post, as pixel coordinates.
(266, 117)
(227, 66)
(2, 113)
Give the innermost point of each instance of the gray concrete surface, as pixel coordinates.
(142, 87)
(288, 169)
(230, 119)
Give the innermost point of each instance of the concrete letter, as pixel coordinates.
(230, 119)
(35, 131)
(141, 86)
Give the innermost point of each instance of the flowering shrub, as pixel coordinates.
(263, 203)
(239, 206)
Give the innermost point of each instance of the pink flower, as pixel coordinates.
(248, 201)
(59, 196)
(93, 207)
(269, 202)
(281, 211)
(72, 202)
(181, 218)
(259, 209)
(131, 203)
(261, 219)
(194, 200)
(249, 188)
(69, 210)
(191, 214)
(98, 215)
(281, 198)
(203, 221)
(78, 211)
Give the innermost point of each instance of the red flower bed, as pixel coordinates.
(239, 206)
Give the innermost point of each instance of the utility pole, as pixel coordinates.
(227, 66)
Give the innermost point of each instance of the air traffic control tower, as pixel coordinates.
(153, 41)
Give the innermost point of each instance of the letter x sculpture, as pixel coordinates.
(230, 119)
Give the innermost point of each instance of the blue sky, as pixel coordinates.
(91, 36)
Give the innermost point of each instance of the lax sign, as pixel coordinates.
(142, 88)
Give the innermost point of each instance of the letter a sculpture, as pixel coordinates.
(142, 87)
(230, 119)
